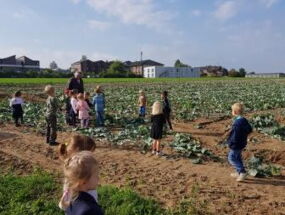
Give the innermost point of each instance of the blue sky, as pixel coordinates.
(230, 33)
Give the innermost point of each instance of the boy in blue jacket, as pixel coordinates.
(99, 105)
(237, 141)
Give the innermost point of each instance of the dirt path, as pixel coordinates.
(168, 181)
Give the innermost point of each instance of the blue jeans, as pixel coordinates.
(142, 111)
(99, 118)
(235, 159)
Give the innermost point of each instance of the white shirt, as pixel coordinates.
(16, 101)
(73, 103)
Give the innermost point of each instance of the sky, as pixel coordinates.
(229, 33)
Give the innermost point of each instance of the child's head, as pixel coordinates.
(86, 95)
(66, 92)
(164, 94)
(81, 172)
(141, 92)
(77, 143)
(18, 94)
(98, 89)
(237, 109)
(80, 96)
(156, 108)
(50, 90)
(73, 93)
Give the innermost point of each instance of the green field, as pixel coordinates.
(104, 80)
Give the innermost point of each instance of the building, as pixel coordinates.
(88, 66)
(171, 72)
(137, 67)
(20, 64)
(265, 75)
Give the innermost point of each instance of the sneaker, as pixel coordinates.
(241, 177)
(158, 153)
(234, 175)
(153, 152)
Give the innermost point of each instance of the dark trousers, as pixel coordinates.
(51, 129)
(167, 118)
(17, 118)
(72, 117)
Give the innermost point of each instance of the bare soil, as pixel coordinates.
(167, 180)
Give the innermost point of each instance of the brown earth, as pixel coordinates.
(167, 180)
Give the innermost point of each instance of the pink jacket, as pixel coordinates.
(83, 109)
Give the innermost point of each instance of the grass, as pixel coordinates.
(39, 192)
(33, 194)
(11, 81)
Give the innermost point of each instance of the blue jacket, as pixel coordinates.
(239, 132)
(99, 102)
(85, 204)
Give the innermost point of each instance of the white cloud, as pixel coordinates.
(226, 10)
(98, 25)
(23, 13)
(140, 12)
(269, 3)
(196, 12)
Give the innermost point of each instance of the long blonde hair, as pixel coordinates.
(80, 168)
(156, 108)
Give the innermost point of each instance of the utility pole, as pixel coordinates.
(142, 63)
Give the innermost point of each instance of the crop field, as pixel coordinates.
(193, 175)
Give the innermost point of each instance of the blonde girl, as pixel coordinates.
(76, 144)
(158, 120)
(81, 173)
(83, 110)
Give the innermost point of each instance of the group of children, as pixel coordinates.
(78, 105)
(81, 169)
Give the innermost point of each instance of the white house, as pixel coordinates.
(171, 72)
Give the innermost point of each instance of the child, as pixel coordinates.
(51, 110)
(142, 104)
(67, 106)
(73, 110)
(86, 98)
(99, 105)
(17, 110)
(78, 143)
(158, 120)
(81, 173)
(83, 110)
(237, 141)
(166, 108)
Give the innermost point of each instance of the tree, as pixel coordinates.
(178, 63)
(83, 58)
(242, 72)
(53, 65)
(117, 67)
(234, 73)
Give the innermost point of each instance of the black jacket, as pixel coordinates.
(238, 135)
(166, 106)
(84, 204)
(75, 84)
